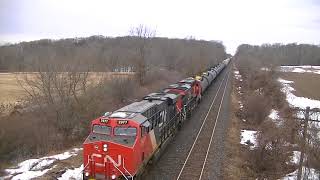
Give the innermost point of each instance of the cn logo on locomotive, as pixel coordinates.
(108, 158)
(118, 164)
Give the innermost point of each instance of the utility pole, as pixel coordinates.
(304, 136)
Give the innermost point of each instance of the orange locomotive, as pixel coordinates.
(121, 143)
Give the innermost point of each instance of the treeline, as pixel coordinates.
(101, 53)
(279, 54)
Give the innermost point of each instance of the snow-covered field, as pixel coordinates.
(296, 69)
(33, 168)
(299, 102)
(296, 101)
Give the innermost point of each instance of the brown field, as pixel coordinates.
(305, 84)
(11, 91)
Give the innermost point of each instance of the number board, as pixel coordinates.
(104, 120)
(122, 122)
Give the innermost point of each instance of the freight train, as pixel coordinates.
(121, 143)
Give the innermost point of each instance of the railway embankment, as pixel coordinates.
(257, 145)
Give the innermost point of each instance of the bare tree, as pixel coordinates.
(56, 91)
(143, 34)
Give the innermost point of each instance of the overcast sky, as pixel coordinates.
(232, 21)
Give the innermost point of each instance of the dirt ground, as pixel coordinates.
(235, 166)
(305, 84)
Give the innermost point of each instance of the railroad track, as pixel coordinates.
(195, 163)
(173, 157)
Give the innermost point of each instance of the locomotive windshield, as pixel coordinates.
(101, 129)
(125, 131)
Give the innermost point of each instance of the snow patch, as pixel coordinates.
(295, 157)
(301, 69)
(29, 174)
(295, 101)
(32, 168)
(274, 114)
(240, 104)
(265, 69)
(303, 66)
(307, 173)
(237, 75)
(312, 116)
(248, 137)
(285, 81)
(72, 174)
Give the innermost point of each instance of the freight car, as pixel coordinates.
(121, 143)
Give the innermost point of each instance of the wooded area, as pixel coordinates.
(99, 53)
(279, 54)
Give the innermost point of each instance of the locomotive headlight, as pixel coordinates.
(113, 176)
(105, 147)
(87, 174)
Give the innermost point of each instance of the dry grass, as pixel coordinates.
(234, 167)
(305, 84)
(11, 91)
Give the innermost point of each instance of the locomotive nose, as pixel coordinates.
(103, 161)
